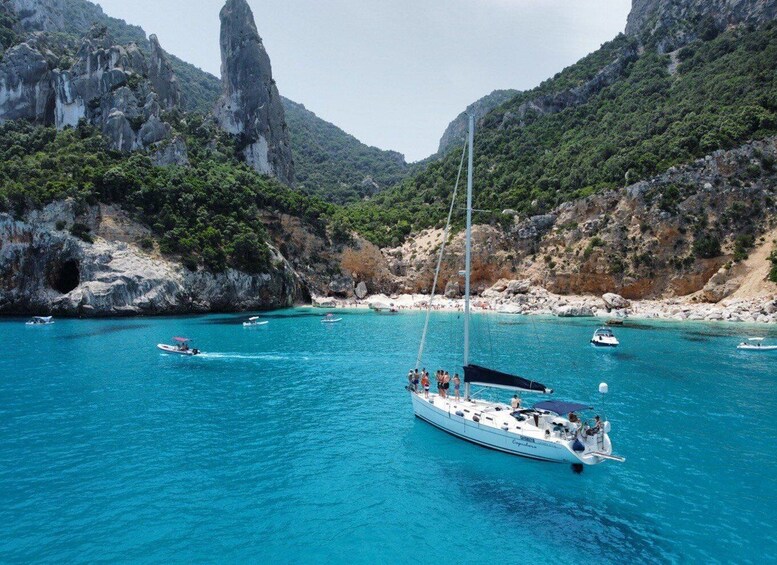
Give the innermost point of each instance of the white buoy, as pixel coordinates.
(603, 388)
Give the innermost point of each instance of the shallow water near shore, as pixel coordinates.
(295, 442)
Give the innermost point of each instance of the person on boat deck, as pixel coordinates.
(425, 384)
(410, 380)
(416, 380)
(596, 428)
(573, 419)
(438, 377)
(456, 385)
(515, 402)
(446, 383)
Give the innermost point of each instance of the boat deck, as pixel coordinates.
(499, 416)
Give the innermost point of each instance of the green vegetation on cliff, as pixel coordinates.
(209, 213)
(335, 165)
(723, 93)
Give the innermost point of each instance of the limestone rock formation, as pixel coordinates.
(675, 23)
(161, 74)
(456, 132)
(171, 152)
(47, 270)
(250, 106)
(107, 85)
(25, 85)
(40, 15)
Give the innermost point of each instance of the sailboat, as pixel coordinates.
(550, 430)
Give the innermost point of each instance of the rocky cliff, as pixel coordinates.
(456, 132)
(688, 231)
(674, 23)
(250, 106)
(162, 76)
(112, 86)
(45, 269)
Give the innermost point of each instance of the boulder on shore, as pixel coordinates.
(341, 286)
(452, 289)
(518, 287)
(361, 290)
(574, 311)
(615, 301)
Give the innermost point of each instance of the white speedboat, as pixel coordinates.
(603, 337)
(180, 347)
(548, 431)
(756, 344)
(330, 319)
(40, 321)
(254, 321)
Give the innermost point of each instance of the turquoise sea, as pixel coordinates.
(295, 443)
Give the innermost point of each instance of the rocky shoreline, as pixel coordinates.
(521, 298)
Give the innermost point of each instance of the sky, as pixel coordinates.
(393, 73)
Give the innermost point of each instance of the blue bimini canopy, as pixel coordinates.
(560, 407)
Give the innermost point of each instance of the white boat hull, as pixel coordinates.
(525, 442)
(253, 324)
(334, 321)
(757, 347)
(605, 342)
(176, 351)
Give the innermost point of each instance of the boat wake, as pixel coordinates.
(249, 356)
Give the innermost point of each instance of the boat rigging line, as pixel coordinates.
(439, 260)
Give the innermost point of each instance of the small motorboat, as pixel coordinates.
(180, 347)
(614, 322)
(756, 344)
(603, 337)
(254, 321)
(330, 319)
(41, 321)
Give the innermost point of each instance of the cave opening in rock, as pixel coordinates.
(67, 277)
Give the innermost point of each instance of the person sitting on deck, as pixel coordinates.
(515, 402)
(596, 428)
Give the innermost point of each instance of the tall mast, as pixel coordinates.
(468, 253)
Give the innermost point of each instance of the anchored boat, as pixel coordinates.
(603, 337)
(548, 431)
(180, 347)
(254, 321)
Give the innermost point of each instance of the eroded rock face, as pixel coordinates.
(111, 86)
(673, 20)
(40, 15)
(25, 85)
(250, 106)
(161, 74)
(45, 270)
